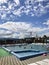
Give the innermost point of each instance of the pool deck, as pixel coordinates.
(12, 60)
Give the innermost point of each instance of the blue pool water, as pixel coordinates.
(27, 47)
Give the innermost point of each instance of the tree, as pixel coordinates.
(44, 39)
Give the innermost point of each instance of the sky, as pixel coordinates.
(24, 18)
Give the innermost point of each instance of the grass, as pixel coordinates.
(4, 53)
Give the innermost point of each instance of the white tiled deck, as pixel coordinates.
(32, 64)
(42, 62)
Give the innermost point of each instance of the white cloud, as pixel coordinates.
(27, 11)
(5, 33)
(3, 16)
(47, 34)
(39, 0)
(47, 23)
(10, 6)
(17, 12)
(47, 6)
(17, 2)
(22, 28)
(32, 14)
(33, 10)
(38, 9)
(3, 1)
(16, 26)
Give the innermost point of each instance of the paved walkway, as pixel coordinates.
(12, 60)
(42, 62)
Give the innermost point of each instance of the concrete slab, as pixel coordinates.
(33, 64)
(42, 63)
(46, 60)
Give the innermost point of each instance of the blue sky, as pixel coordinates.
(20, 17)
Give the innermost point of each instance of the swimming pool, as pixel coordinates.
(27, 47)
(27, 54)
(27, 51)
